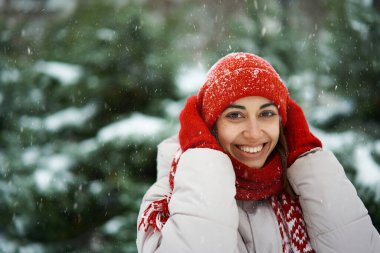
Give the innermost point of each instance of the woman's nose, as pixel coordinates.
(252, 129)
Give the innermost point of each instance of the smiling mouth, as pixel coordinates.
(251, 150)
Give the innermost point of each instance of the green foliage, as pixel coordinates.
(353, 27)
(65, 185)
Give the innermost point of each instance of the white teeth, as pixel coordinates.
(251, 149)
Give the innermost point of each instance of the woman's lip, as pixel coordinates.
(251, 149)
(243, 154)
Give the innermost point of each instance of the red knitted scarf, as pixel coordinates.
(256, 184)
(251, 184)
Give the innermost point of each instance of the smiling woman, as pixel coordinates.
(249, 176)
(249, 130)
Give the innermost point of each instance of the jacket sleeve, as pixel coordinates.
(203, 210)
(336, 218)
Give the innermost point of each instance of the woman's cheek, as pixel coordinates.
(226, 134)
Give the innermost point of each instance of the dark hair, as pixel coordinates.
(282, 148)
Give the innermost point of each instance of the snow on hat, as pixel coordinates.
(239, 75)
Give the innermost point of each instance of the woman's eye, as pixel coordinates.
(267, 114)
(234, 115)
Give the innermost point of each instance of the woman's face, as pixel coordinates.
(248, 130)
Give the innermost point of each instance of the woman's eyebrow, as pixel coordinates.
(243, 107)
(236, 106)
(267, 105)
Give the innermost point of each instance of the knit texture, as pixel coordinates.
(257, 184)
(193, 132)
(240, 75)
(297, 132)
(291, 224)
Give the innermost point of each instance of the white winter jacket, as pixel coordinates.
(205, 217)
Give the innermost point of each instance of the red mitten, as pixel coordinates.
(297, 132)
(194, 132)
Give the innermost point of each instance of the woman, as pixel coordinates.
(245, 174)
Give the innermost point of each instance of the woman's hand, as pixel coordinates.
(297, 132)
(194, 132)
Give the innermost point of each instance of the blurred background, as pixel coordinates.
(88, 88)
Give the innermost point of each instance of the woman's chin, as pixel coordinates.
(252, 160)
(254, 165)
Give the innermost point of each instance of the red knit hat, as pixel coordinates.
(240, 75)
